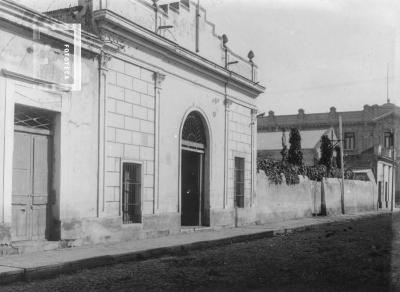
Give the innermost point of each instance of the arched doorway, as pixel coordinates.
(194, 199)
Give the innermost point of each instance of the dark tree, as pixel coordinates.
(326, 152)
(284, 151)
(295, 156)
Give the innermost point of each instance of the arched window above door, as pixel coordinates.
(193, 129)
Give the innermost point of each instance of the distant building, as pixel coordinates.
(269, 144)
(371, 138)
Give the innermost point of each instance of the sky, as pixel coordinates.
(314, 54)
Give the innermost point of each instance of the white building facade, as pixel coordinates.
(160, 136)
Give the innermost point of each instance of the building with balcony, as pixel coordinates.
(371, 138)
(154, 131)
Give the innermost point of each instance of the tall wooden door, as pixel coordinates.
(30, 191)
(191, 188)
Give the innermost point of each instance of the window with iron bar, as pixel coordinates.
(131, 193)
(239, 182)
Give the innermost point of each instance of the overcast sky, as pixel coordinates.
(314, 54)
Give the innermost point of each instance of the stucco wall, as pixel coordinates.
(75, 149)
(286, 202)
(304, 199)
(358, 196)
(135, 101)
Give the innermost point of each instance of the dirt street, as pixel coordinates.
(353, 256)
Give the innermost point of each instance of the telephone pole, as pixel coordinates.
(341, 163)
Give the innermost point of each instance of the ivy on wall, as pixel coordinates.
(291, 165)
(281, 171)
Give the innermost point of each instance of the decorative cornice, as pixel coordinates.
(158, 79)
(15, 14)
(112, 22)
(228, 103)
(104, 59)
(112, 41)
(35, 81)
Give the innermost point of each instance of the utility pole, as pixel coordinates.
(393, 172)
(341, 163)
(387, 83)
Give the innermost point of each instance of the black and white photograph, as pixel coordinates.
(199, 145)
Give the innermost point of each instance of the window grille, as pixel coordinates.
(239, 182)
(32, 118)
(193, 129)
(131, 193)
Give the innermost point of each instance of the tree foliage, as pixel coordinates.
(326, 152)
(279, 172)
(284, 151)
(295, 156)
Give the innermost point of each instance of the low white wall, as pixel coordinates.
(304, 199)
(358, 196)
(286, 202)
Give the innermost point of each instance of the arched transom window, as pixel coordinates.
(193, 131)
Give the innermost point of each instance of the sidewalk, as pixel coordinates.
(50, 263)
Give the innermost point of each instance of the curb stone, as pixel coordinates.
(14, 274)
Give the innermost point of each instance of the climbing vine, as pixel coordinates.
(280, 171)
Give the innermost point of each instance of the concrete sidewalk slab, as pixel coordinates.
(50, 263)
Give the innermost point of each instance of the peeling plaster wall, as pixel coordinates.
(76, 142)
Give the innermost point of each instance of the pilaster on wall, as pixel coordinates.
(228, 104)
(104, 58)
(2, 140)
(158, 79)
(8, 150)
(253, 154)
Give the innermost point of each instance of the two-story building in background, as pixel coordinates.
(158, 135)
(371, 139)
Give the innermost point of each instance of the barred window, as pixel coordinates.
(239, 182)
(131, 193)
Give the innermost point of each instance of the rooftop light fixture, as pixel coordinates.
(224, 40)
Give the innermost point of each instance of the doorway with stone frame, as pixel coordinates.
(195, 201)
(32, 174)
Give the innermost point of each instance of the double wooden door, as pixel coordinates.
(30, 186)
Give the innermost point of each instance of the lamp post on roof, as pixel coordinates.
(224, 42)
(250, 55)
